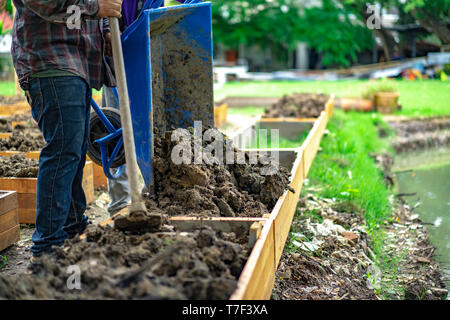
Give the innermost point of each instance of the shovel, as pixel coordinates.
(137, 218)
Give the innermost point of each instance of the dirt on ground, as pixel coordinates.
(421, 133)
(213, 189)
(18, 166)
(5, 100)
(23, 139)
(122, 265)
(298, 105)
(328, 256)
(5, 125)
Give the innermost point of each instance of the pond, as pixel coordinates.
(428, 175)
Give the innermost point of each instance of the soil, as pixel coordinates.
(298, 105)
(337, 267)
(212, 189)
(5, 100)
(18, 166)
(5, 125)
(118, 265)
(419, 134)
(23, 139)
(331, 266)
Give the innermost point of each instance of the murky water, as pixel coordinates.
(430, 179)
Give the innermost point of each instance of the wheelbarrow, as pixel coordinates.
(168, 62)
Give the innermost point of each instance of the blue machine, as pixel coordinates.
(168, 61)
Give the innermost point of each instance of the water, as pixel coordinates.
(430, 179)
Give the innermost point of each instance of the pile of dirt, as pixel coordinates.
(419, 134)
(328, 257)
(417, 273)
(298, 105)
(214, 189)
(117, 265)
(23, 139)
(5, 125)
(18, 166)
(5, 100)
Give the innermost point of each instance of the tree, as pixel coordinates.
(281, 24)
(433, 15)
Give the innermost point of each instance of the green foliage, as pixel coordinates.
(384, 85)
(330, 31)
(282, 24)
(3, 261)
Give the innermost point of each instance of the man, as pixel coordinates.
(57, 66)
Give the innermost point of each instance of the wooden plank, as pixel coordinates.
(29, 154)
(100, 179)
(9, 237)
(8, 201)
(9, 220)
(21, 185)
(224, 224)
(5, 135)
(258, 276)
(27, 207)
(88, 182)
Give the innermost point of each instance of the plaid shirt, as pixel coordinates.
(42, 40)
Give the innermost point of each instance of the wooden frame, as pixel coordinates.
(220, 114)
(26, 192)
(268, 233)
(9, 219)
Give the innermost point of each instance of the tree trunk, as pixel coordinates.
(433, 25)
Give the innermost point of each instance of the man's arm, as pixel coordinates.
(58, 11)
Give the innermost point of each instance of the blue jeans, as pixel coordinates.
(61, 107)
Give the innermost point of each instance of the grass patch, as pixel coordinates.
(418, 98)
(343, 170)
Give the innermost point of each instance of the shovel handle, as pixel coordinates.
(125, 117)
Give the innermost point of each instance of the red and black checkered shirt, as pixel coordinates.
(42, 39)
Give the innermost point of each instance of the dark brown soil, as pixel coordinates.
(118, 265)
(215, 189)
(337, 269)
(5, 125)
(23, 139)
(298, 105)
(5, 100)
(419, 134)
(18, 166)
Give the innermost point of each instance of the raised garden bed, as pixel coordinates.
(9, 219)
(26, 192)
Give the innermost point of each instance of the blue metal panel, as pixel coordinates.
(173, 47)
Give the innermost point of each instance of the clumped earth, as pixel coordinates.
(23, 139)
(18, 166)
(298, 105)
(5, 100)
(5, 125)
(328, 256)
(419, 134)
(123, 265)
(214, 189)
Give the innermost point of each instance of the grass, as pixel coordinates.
(344, 170)
(418, 98)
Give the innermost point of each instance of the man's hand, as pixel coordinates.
(109, 8)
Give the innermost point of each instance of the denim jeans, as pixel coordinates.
(61, 107)
(118, 189)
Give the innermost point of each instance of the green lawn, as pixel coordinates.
(427, 97)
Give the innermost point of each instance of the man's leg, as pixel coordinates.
(118, 189)
(60, 107)
(76, 220)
